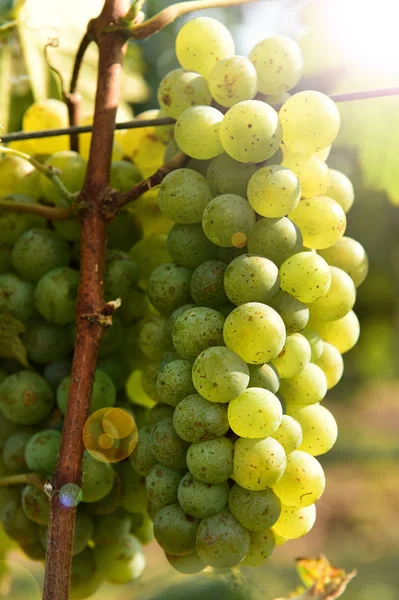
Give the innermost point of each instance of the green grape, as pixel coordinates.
(183, 195)
(159, 412)
(201, 500)
(196, 419)
(25, 398)
(264, 376)
(180, 89)
(222, 542)
(303, 481)
(250, 278)
(103, 393)
(169, 287)
(46, 342)
(319, 428)
(142, 459)
(124, 176)
(289, 434)
(279, 64)
(211, 461)
(14, 451)
(121, 563)
(110, 503)
(5, 257)
(331, 363)
(255, 331)
(197, 329)
(201, 43)
(34, 551)
(98, 479)
(321, 220)
(72, 170)
(339, 299)
(174, 382)
(175, 531)
(135, 306)
(162, 483)
(35, 504)
(274, 191)
(343, 333)
(17, 296)
(9, 494)
(38, 251)
(310, 122)
(124, 231)
(228, 220)
(258, 463)
(13, 224)
(133, 493)
(16, 524)
(154, 337)
(294, 522)
(112, 528)
(14, 175)
(116, 366)
(85, 578)
(255, 413)
(112, 338)
(316, 343)
(324, 153)
(308, 387)
(347, 254)
(189, 246)
(47, 114)
(167, 447)
(233, 80)
(228, 176)
(56, 293)
(189, 564)
(41, 451)
(206, 286)
(148, 254)
(275, 239)
(121, 274)
(197, 132)
(261, 546)
(250, 131)
(294, 313)
(179, 311)
(255, 510)
(145, 532)
(312, 173)
(149, 379)
(219, 374)
(294, 357)
(305, 276)
(341, 189)
(69, 229)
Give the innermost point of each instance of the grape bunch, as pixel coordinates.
(254, 306)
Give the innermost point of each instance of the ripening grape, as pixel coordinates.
(312, 173)
(17, 296)
(200, 499)
(228, 176)
(341, 189)
(303, 481)
(211, 460)
(264, 376)
(343, 333)
(189, 564)
(338, 300)
(197, 329)
(318, 425)
(279, 64)
(274, 191)
(179, 311)
(316, 343)
(188, 245)
(294, 313)
(35, 504)
(38, 251)
(347, 254)
(294, 522)
(196, 419)
(197, 132)
(12, 224)
(310, 121)
(261, 546)
(167, 447)
(275, 239)
(233, 80)
(180, 89)
(121, 274)
(250, 131)
(289, 434)
(183, 195)
(5, 257)
(225, 217)
(222, 542)
(124, 176)
(321, 220)
(98, 479)
(47, 114)
(110, 529)
(25, 398)
(72, 170)
(219, 374)
(16, 176)
(16, 524)
(258, 463)
(174, 382)
(175, 531)
(294, 356)
(331, 363)
(56, 293)
(162, 483)
(169, 287)
(250, 278)
(142, 458)
(256, 510)
(308, 387)
(41, 452)
(255, 413)
(122, 562)
(14, 450)
(46, 342)
(306, 276)
(207, 284)
(154, 337)
(201, 43)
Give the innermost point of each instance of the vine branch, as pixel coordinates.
(47, 212)
(26, 478)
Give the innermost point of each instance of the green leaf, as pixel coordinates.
(11, 345)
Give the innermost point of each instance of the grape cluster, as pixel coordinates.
(254, 305)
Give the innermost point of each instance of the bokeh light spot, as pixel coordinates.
(118, 423)
(110, 434)
(17, 582)
(70, 495)
(106, 441)
(239, 239)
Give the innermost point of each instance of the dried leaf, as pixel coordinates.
(11, 345)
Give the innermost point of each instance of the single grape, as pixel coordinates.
(56, 293)
(25, 398)
(175, 531)
(316, 343)
(154, 337)
(121, 563)
(278, 62)
(196, 419)
(339, 299)
(69, 230)
(17, 296)
(318, 425)
(103, 392)
(222, 542)
(311, 172)
(47, 114)
(167, 447)
(124, 176)
(256, 413)
(274, 191)
(331, 363)
(121, 274)
(201, 500)
(13, 224)
(233, 80)
(174, 382)
(41, 451)
(341, 189)
(14, 451)
(347, 254)
(85, 577)
(294, 313)
(201, 43)
(179, 311)
(206, 286)
(303, 481)
(124, 231)
(34, 551)
(264, 376)
(211, 461)
(250, 131)
(142, 458)
(35, 504)
(261, 546)
(183, 195)
(149, 379)
(16, 176)
(17, 525)
(343, 333)
(197, 132)
(72, 170)
(275, 239)
(255, 510)
(258, 463)
(162, 483)
(189, 246)
(219, 374)
(98, 479)
(294, 522)
(180, 89)
(294, 356)
(310, 121)
(197, 329)
(250, 278)
(111, 529)
(255, 332)
(46, 342)
(133, 496)
(189, 564)
(289, 434)
(308, 387)
(321, 220)
(305, 276)
(169, 287)
(159, 412)
(116, 366)
(227, 217)
(38, 251)
(228, 176)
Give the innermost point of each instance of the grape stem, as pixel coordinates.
(30, 478)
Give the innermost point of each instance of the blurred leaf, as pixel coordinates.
(34, 61)
(11, 345)
(5, 85)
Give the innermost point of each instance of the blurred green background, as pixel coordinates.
(348, 45)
